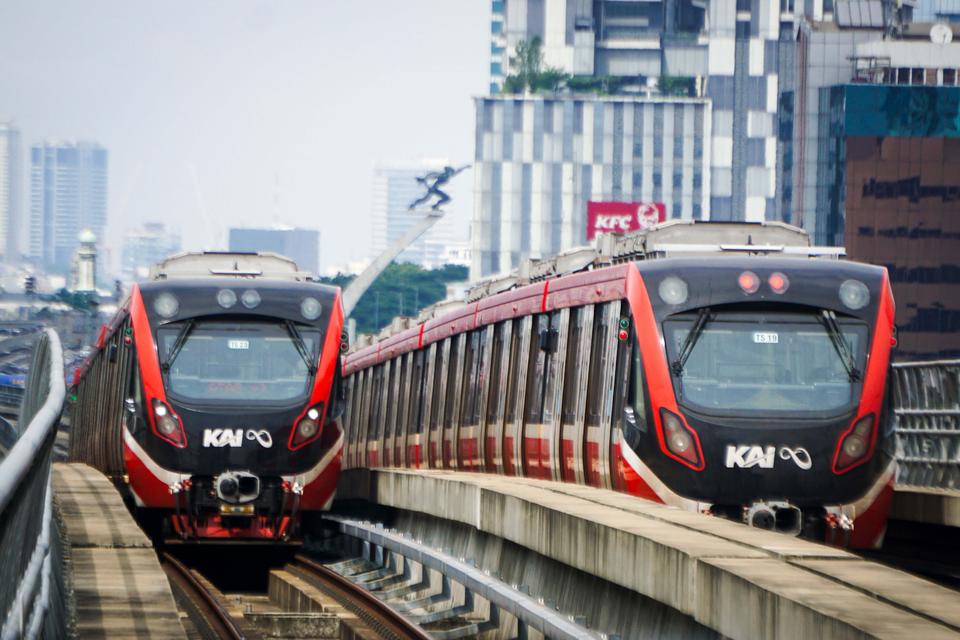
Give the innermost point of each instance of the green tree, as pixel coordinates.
(401, 290)
(528, 73)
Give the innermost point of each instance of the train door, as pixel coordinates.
(403, 409)
(439, 354)
(519, 369)
(377, 396)
(451, 414)
(418, 405)
(541, 431)
(496, 398)
(599, 409)
(575, 394)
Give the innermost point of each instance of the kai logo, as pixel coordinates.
(747, 456)
(235, 437)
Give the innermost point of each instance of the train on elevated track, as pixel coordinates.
(213, 397)
(731, 369)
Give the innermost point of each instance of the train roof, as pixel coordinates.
(598, 274)
(227, 264)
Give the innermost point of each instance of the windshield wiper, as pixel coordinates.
(691, 340)
(829, 321)
(178, 344)
(300, 345)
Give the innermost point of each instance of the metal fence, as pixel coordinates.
(926, 412)
(31, 576)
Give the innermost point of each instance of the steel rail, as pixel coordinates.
(214, 614)
(391, 623)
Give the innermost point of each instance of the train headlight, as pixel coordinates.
(310, 308)
(854, 294)
(166, 305)
(167, 424)
(307, 428)
(854, 445)
(749, 282)
(779, 282)
(673, 290)
(680, 440)
(250, 298)
(226, 298)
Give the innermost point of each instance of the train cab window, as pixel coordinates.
(765, 362)
(216, 361)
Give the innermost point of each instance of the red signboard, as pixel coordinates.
(618, 217)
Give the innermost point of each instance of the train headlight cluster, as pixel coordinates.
(679, 440)
(250, 299)
(310, 308)
(854, 294)
(779, 282)
(168, 425)
(226, 298)
(166, 305)
(307, 427)
(854, 445)
(749, 282)
(673, 290)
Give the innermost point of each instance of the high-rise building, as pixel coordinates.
(10, 187)
(733, 56)
(302, 245)
(145, 247)
(68, 193)
(394, 189)
(541, 159)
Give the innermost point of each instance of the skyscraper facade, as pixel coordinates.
(541, 159)
(68, 193)
(10, 187)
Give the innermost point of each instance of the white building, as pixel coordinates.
(145, 247)
(10, 187)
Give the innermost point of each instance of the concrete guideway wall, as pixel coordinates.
(741, 582)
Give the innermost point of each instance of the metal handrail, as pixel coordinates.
(26, 498)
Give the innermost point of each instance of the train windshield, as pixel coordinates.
(215, 361)
(766, 363)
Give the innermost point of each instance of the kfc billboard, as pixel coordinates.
(618, 217)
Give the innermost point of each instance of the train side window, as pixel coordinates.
(415, 422)
(403, 394)
(476, 376)
(551, 346)
(570, 373)
(598, 362)
(536, 369)
(437, 404)
(451, 380)
(496, 361)
(513, 376)
(635, 414)
(380, 398)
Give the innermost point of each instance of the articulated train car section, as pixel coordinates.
(729, 369)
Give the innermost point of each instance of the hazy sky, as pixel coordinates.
(240, 91)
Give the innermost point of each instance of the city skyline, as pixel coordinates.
(200, 114)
